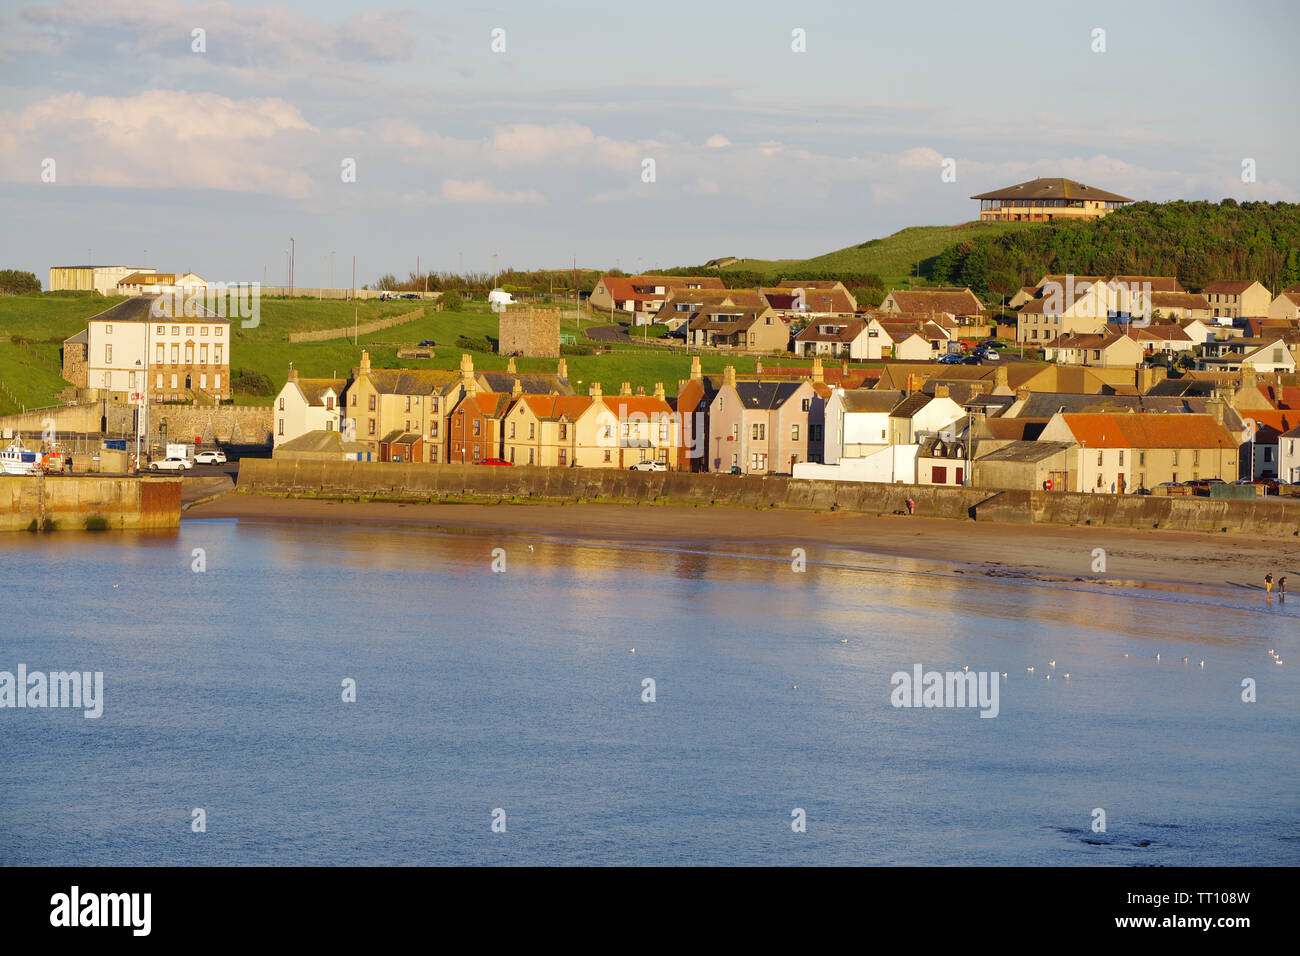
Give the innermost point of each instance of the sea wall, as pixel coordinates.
(62, 503)
(344, 479)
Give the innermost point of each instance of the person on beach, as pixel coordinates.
(1268, 584)
(1281, 588)
(911, 505)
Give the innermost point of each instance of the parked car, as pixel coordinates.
(970, 360)
(428, 344)
(649, 466)
(952, 358)
(210, 458)
(987, 354)
(495, 461)
(171, 464)
(993, 344)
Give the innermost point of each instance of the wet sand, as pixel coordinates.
(1163, 559)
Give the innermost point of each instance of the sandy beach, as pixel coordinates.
(1164, 559)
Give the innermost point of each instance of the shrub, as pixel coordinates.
(451, 301)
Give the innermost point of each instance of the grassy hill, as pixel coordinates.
(30, 369)
(893, 258)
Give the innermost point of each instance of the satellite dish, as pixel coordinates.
(947, 435)
(500, 297)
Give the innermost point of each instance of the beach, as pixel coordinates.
(1170, 560)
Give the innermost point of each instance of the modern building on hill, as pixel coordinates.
(1043, 199)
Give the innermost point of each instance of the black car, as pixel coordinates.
(428, 344)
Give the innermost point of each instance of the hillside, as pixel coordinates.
(1199, 242)
(892, 258)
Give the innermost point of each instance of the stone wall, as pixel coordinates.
(232, 424)
(1272, 517)
(324, 335)
(88, 503)
(530, 332)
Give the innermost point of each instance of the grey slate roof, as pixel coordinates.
(1026, 451)
(766, 394)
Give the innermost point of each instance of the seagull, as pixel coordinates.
(1066, 675)
(794, 686)
(1049, 677)
(632, 651)
(1004, 673)
(1184, 660)
(1030, 669)
(1126, 655)
(1051, 663)
(530, 547)
(844, 640)
(1202, 663)
(1157, 657)
(116, 586)
(1277, 660)
(965, 667)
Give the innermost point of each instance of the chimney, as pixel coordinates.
(365, 363)
(594, 390)
(659, 391)
(941, 391)
(696, 374)
(510, 366)
(729, 376)
(517, 389)
(1215, 406)
(817, 374)
(466, 370)
(562, 370)
(758, 366)
(1145, 379)
(625, 388)
(1022, 394)
(293, 373)
(1248, 377)
(1000, 377)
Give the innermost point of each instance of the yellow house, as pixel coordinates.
(1238, 298)
(542, 430)
(404, 401)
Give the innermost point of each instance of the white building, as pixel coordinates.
(101, 279)
(308, 405)
(857, 422)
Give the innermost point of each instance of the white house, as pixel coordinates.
(857, 422)
(921, 414)
(1288, 456)
(308, 405)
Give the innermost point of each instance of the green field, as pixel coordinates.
(893, 258)
(30, 372)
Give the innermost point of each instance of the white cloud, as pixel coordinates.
(160, 139)
(717, 141)
(481, 192)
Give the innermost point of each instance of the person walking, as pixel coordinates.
(1268, 584)
(911, 506)
(1281, 588)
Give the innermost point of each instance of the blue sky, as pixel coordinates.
(211, 160)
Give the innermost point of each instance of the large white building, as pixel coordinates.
(101, 279)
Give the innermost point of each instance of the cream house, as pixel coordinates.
(1286, 306)
(381, 402)
(308, 405)
(1104, 350)
(1238, 298)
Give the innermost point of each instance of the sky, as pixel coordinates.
(522, 131)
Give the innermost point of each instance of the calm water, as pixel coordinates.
(478, 690)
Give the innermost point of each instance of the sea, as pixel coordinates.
(281, 693)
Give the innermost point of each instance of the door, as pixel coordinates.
(1059, 480)
(1119, 484)
(961, 476)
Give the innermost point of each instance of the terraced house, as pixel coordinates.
(1238, 298)
(388, 409)
(476, 430)
(1119, 453)
(759, 427)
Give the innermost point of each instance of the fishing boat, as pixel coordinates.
(19, 460)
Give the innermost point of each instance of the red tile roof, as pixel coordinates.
(1148, 431)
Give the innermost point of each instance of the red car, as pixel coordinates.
(495, 461)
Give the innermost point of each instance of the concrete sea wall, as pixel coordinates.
(62, 503)
(342, 479)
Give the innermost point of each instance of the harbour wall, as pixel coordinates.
(88, 503)
(414, 481)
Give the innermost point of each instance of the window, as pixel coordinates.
(176, 330)
(1099, 454)
(564, 432)
(203, 381)
(433, 430)
(478, 427)
(532, 433)
(108, 353)
(512, 454)
(1121, 457)
(1196, 456)
(108, 330)
(216, 380)
(131, 381)
(217, 331)
(189, 330)
(372, 426)
(203, 330)
(408, 404)
(159, 355)
(939, 475)
(815, 432)
(159, 329)
(354, 399)
(512, 433)
(329, 426)
(176, 354)
(806, 404)
(108, 379)
(189, 353)
(203, 354)
(794, 432)
(435, 403)
(1174, 458)
(433, 453)
(159, 385)
(1099, 481)
(173, 381)
(281, 404)
(281, 427)
(663, 432)
(530, 454)
(372, 403)
(217, 354)
(476, 453)
(607, 455)
(1142, 458)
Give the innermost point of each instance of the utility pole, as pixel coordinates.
(292, 259)
(354, 277)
